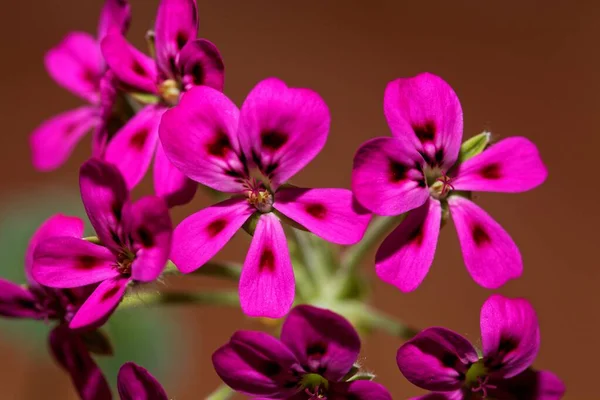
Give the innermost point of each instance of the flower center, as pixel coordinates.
(440, 184)
(170, 91)
(477, 379)
(315, 386)
(125, 260)
(258, 193)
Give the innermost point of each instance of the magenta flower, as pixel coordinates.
(77, 65)
(181, 62)
(317, 350)
(135, 237)
(69, 347)
(136, 383)
(251, 153)
(417, 170)
(444, 362)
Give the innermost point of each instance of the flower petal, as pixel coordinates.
(387, 176)
(404, 257)
(115, 16)
(101, 303)
(267, 283)
(133, 147)
(170, 183)
(256, 364)
(530, 384)
(148, 224)
(359, 390)
(511, 165)
(76, 64)
(324, 342)
(282, 129)
(70, 352)
(329, 213)
(510, 335)
(54, 140)
(201, 64)
(455, 395)
(201, 235)
(18, 302)
(176, 24)
(426, 112)
(132, 67)
(199, 137)
(491, 256)
(136, 383)
(112, 115)
(436, 359)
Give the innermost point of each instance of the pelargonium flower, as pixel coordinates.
(70, 348)
(136, 383)
(251, 154)
(313, 360)
(416, 170)
(181, 62)
(444, 362)
(135, 237)
(77, 65)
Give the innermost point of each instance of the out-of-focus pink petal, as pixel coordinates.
(324, 342)
(282, 129)
(101, 303)
(65, 262)
(425, 111)
(199, 137)
(511, 165)
(54, 140)
(358, 390)
(267, 284)
(70, 352)
(510, 335)
(436, 359)
(112, 119)
(387, 176)
(491, 256)
(136, 383)
(132, 67)
(176, 24)
(455, 395)
(201, 64)
(76, 64)
(201, 235)
(329, 213)
(170, 183)
(115, 16)
(404, 257)
(133, 147)
(148, 225)
(18, 302)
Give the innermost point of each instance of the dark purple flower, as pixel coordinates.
(444, 362)
(136, 383)
(317, 350)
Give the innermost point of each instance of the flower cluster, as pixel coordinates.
(169, 109)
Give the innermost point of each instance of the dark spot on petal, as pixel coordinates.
(480, 236)
(181, 39)
(397, 171)
(267, 260)
(317, 210)
(86, 262)
(421, 183)
(273, 140)
(425, 132)
(316, 350)
(449, 360)
(115, 237)
(220, 146)
(213, 54)
(198, 74)
(138, 140)
(138, 69)
(257, 160)
(271, 168)
(270, 368)
(506, 345)
(233, 173)
(416, 236)
(290, 384)
(491, 171)
(216, 227)
(70, 129)
(145, 237)
(439, 156)
(90, 77)
(117, 210)
(110, 293)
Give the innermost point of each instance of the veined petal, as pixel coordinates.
(329, 213)
(65, 262)
(115, 16)
(201, 64)
(358, 390)
(131, 66)
(426, 112)
(76, 64)
(404, 257)
(54, 140)
(510, 335)
(18, 302)
(511, 165)
(282, 129)
(201, 235)
(136, 383)
(199, 137)
(133, 147)
(169, 182)
(101, 303)
(176, 24)
(387, 176)
(267, 283)
(436, 359)
(324, 342)
(148, 224)
(491, 256)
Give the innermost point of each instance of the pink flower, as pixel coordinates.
(136, 383)
(69, 347)
(181, 62)
(417, 170)
(444, 362)
(77, 65)
(251, 153)
(136, 240)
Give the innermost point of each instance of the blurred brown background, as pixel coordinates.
(519, 67)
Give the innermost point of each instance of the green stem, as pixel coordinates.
(223, 392)
(93, 239)
(375, 319)
(227, 270)
(227, 298)
(310, 258)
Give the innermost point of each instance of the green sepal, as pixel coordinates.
(474, 146)
(250, 224)
(144, 98)
(97, 342)
(362, 376)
